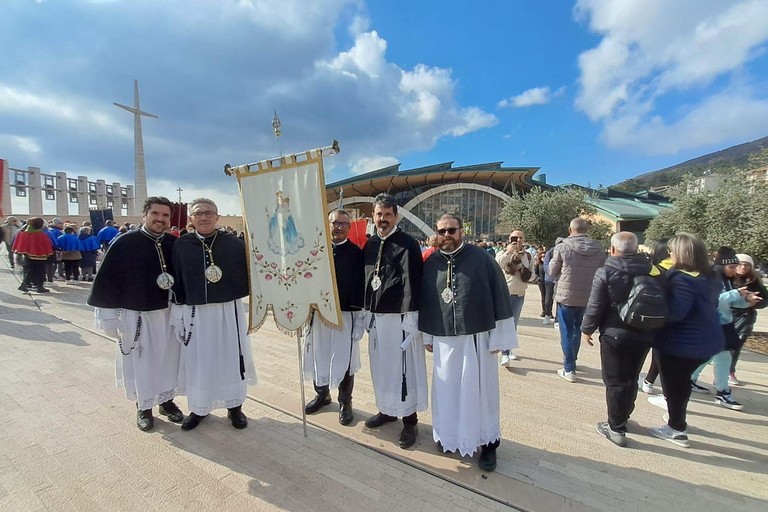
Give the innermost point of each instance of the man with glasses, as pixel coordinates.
(392, 284)
(131, 297)
(332, 355)
(518, 266)
(466, 317)
(211, 281)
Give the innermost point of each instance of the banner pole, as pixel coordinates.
(299, 337)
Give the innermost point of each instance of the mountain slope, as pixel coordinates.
(749, 155)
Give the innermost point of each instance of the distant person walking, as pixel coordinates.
(574, 263)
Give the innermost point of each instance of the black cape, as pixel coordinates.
(127, 276)
(400, 273)
(481, 297)
(190, 259)
(348, 262)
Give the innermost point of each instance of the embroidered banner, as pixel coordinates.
(286, 221)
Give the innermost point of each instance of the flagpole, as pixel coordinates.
(299, 338)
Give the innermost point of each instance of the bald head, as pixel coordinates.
(623, 243)
(578, 226)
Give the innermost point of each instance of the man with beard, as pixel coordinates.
(333, 353)
(466, 316)
(212, 279)
(393, 268)
(131, 297)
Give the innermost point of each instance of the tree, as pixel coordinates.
(733, 215)
(544, 215)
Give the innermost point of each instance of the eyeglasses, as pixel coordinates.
(513, 239)
(337, 224)
(450, 231)
(207, 214)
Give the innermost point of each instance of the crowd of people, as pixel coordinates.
(173, 301)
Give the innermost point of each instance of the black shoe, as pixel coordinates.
(236, 415)
(144, 420)
(191, 421)
(317, 403)
(23, 288)
(345, 413)
(487, 460)
(171, 410)
(43, 290)
(408, 436)
(379, 419)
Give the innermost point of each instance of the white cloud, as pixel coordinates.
(691, 54)
(534, 96)
(53, 108)
(372, 163)
(214, 75)
(26, 145)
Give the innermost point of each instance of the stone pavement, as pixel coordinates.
(68, 439)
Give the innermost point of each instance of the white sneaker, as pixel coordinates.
(673, 436)
(569, 376)
(505, 360)
(547, 320)
(556, 326)
(659, 401)
(513, 357)
(733, 381)
(647, 387)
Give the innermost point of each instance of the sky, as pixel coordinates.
(591, 91)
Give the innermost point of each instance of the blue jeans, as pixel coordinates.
(569, 318)
(517, 309)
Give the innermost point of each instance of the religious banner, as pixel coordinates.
(286, 223)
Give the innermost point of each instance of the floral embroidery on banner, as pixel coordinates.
(291, 274)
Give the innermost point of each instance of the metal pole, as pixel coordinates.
(299, 337)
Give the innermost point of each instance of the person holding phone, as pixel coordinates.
(518, 266)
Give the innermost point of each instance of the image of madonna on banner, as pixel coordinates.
(290, 264)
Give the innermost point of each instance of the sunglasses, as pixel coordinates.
(513, 239)
(450, 231)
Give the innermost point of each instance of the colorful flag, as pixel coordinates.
(289, 246)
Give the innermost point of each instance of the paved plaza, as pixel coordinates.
(68, 439)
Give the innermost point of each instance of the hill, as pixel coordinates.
(749, 155)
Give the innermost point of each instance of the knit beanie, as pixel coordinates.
(745, 258)
(726, 256)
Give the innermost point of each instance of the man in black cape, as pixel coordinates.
(131, 297)
(212, 279)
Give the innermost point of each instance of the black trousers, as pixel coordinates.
(622, 360)
(34, 274)
(547, 291)
(676, 375)
(345, 388)
(653, 370)
(72, 269)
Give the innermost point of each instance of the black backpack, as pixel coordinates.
(646, 306)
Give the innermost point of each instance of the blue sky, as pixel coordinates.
(591, 91)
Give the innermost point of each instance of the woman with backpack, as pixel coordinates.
(744, 318)
(692, 333)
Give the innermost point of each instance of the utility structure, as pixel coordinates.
(139, 168)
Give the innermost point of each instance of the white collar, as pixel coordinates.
(389, 235)
(454, 251)
(340, 243)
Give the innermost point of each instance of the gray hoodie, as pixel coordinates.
(573, 265)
